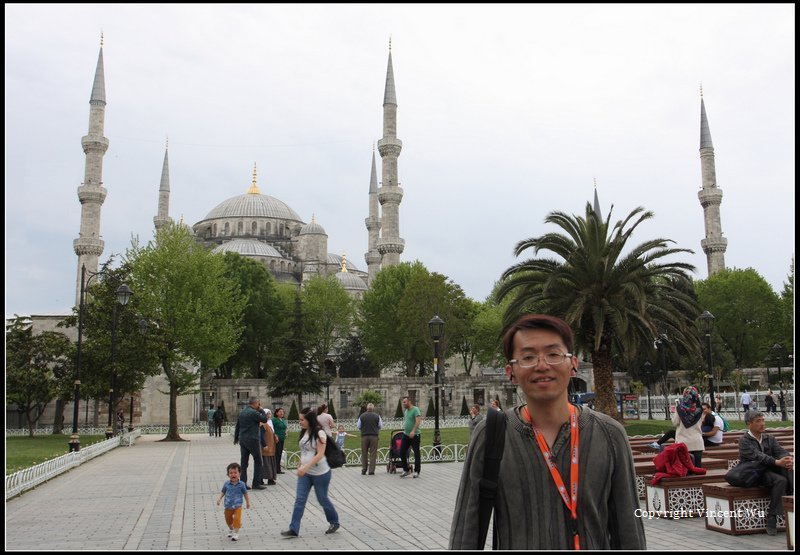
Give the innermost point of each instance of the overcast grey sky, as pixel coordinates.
(506, 112)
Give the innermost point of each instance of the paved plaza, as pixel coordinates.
(161, 496)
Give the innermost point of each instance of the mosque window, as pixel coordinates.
(227, 230)
(254, 229)
(240, 228)
(272, 265)
(280, 229)
(214, 232)
(268, 228)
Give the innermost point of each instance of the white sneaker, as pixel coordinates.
(416, 475)
(405, 474)
(235, 537)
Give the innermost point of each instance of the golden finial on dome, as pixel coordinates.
(254, 190)
(344, 262)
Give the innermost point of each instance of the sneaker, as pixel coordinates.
(332, 529)
(363, 472)
(230, 533)
(235, 537)
(655, 446)
(289, 533)
(405, 474)
(415, 475)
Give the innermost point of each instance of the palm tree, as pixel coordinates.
(613, 301)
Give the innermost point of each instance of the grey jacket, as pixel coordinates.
(529, 511)
(750, 450)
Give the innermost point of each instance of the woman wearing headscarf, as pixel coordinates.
(688, 419)
(268, 442)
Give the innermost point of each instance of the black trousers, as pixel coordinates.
(780, 483)
(413, 443)
(251, 448)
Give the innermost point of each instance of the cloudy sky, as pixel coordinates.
(506, 112)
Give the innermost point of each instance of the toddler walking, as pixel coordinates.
(233, 490)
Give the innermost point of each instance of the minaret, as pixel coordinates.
(390, 245)
(373, 222)
(710, 196)
(597, 202)
(88, 246)
(162, 218)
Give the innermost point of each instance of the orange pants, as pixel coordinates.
(233, 518)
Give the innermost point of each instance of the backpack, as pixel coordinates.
(493, 454)
(333, 454)
(219, 416)
(725, 426)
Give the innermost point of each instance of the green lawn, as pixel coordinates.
(22, 452)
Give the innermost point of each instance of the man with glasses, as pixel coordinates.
(545, 497)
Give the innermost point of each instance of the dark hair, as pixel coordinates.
(313, 426)
(322, 408)
(705, 405)
(533, 322)
(234, 465)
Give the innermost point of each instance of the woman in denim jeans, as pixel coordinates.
(312, 472)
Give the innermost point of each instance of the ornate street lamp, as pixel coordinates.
(778, 349)
(436, 327)
(648, 371)
(707, 325)
(123, 296)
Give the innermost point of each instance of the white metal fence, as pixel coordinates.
(31, 477)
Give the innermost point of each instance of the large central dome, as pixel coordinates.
(253, 205)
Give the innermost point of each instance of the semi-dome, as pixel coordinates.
(351, 281)
(337, 259)
(253, 205)
(312, 228)
(248, 247)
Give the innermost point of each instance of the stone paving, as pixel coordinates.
(161, 496)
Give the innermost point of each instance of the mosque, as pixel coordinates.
(256, 225)
(266, 229)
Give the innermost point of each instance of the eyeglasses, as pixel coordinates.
(529, 361)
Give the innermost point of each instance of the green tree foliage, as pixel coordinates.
(353, 360)
(32, 365)
(398, 413)
(194, 310)
(464, 406)
(328, 318)
(613, 301)
(463, 338)
(787, 311)
(368, 396)
(747, 313)
(296, 375)
(264, 320)
(487, 332)
(396, 310)
(294, 414)
(134, 359)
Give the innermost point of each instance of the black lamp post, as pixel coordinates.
(130, 418)
(123, 296)
(707, 324)
(436, 327)
(74, 439)
(648, 371)
(778, 349)
(658, 343)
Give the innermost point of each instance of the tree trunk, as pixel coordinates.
(58, 420)
(606, 401)
(30, 422)
(173, 434)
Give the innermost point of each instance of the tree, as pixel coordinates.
(463, 338)
(612, 301)
(398, 413)
(464, 407)
(747, 313)
(32, 362)
(194, 310)
(294, 414)
(431, 410)
(787, 311)
(328, 318)
(263, 319)
(353, 360)
(296, 375)
(368, 396)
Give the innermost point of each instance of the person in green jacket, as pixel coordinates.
(279, 422)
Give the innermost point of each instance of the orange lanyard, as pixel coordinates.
(571, 500)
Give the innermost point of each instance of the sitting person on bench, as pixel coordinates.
(755, 445)
(712, 427)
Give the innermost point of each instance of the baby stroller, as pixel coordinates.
(395, 452)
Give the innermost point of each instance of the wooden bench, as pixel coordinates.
(734, 510)
(647, 468)
(680, 497)
(788, 512)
